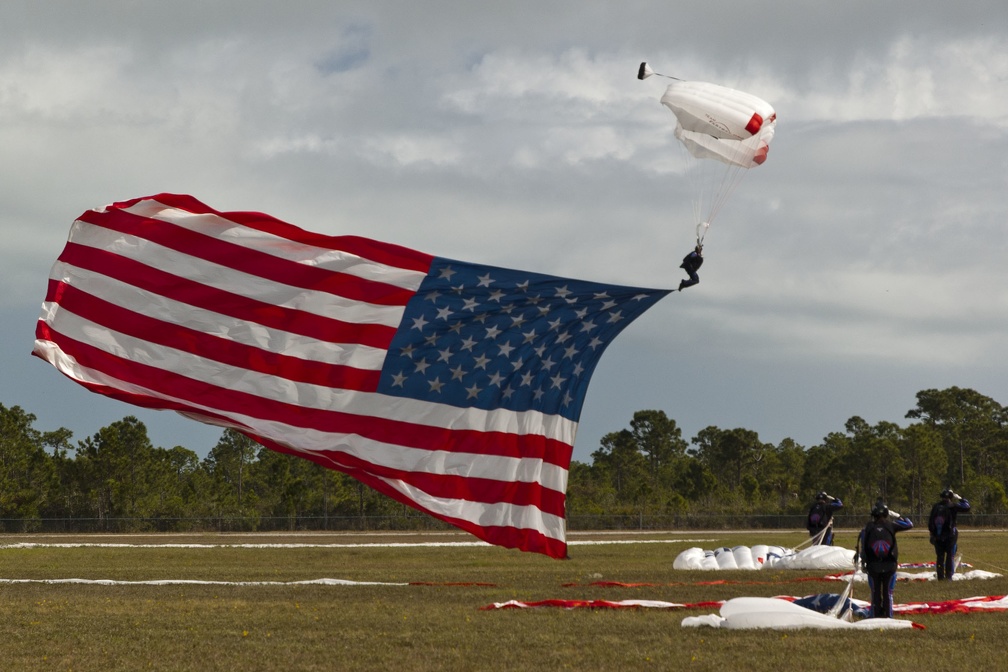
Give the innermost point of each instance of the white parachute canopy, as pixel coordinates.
(760, 613)
(723, 133)
(762, 556)
(715, 122)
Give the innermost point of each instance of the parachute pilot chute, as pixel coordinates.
(644, 71)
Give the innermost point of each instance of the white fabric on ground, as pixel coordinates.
(758, 613)
(762, 555)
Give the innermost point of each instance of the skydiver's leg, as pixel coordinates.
(875, 588)
(694, 279)
(950, 553)
(890, 586)
(940, 553)
(955, 552)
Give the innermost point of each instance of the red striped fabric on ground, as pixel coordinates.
(455, 388)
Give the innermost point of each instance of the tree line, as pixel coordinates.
(956, 438)
(117, 480)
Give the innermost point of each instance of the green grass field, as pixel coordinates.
(441, 626)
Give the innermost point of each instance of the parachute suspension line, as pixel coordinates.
(844, 608)
(695, 171)
(701, 232)
(731, 177)
(712, 184)
(722, 180)
(812, 540)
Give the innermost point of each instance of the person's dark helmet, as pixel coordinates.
(880, 510)
(821, 495)
(946, 493)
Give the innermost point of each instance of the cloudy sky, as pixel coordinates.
(862, 263)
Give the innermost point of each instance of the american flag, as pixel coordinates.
(452, 387)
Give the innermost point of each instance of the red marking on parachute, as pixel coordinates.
(755, 124)
(761, 155)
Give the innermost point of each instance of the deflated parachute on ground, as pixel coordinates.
(762, 613)
(762, 556)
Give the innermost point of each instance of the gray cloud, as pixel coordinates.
(861, 263)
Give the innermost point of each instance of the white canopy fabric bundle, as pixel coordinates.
(716, 122)
(968, 575)
(759, 613)
(814, 557)
(763, 556)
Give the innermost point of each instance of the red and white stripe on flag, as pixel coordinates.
(451, 387)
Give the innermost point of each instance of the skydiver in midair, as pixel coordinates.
(691, 263)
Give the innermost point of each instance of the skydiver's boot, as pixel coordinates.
(681, 283)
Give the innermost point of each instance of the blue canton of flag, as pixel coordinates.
(485, 337)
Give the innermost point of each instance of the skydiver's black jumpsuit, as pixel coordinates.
(945, 535)
(877, 544)
(819, 518)
(691, 263)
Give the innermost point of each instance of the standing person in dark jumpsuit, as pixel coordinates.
(820, 518)
(691, 263)
(879, 556)
(944, 533)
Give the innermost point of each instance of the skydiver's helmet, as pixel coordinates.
(821, 496)
(880, 510)
(946, 493)
(699, 248)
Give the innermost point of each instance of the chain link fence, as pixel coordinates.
(419, 522)
(720, 521)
